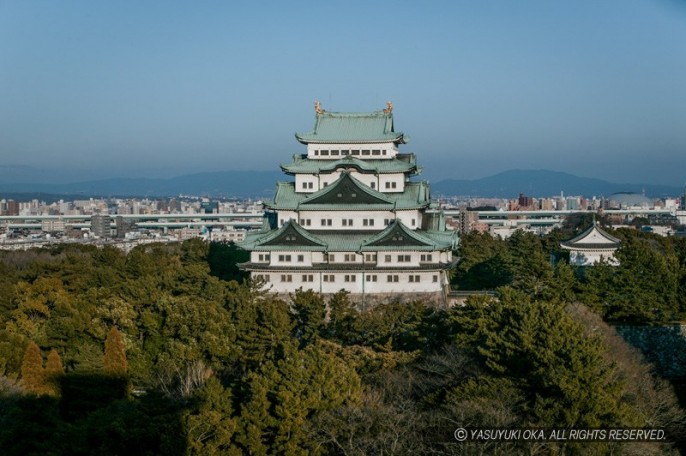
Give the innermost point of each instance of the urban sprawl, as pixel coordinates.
(133, 221)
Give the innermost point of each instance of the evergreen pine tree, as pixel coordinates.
(208, 423)
(114, 361)
(32, 372)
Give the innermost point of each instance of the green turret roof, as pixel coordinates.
(395, 237)
(403, 163)
(289, 235)
(353, 127)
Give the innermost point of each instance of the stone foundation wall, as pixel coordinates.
(664, 346)
(369, 301)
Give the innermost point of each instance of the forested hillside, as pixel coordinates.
(169, 350)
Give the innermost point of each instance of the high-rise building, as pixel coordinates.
(209, 207)
(121, 226)
(468, 220)
(525, 202)
(100, 226)
(53, 225)
(352, 218)
(12, 207)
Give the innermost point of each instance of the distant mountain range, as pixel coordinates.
(259, 184)
(541, 183)
(226, 184)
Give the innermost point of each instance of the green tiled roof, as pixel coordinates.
(415, 196)
(398, 235)
(449, 237)
(352, 127)
(351, 241)
(405, 163)
(291, 234)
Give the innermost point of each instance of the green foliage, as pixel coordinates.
(223, 259)
(342, 316)
(219, 366)
(649, 285)
(530, 265)
(209, 424)
(406, 326)
(263, 324)
(194, 251)
(309, 314)
(645, 287)
(284, 395)
(34, 306)
(484, 263)
(567, 381)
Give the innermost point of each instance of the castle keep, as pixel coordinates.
(353, 218)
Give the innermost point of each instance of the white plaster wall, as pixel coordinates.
(275, 261)
(314, 150)
(353, 258)
(360, 285)
(383, 260)
(398, 179)
(337, 218)
(377, 182)
(306, 179)
(284, 216)
(408, 216)
(589, 258)
(255, 257)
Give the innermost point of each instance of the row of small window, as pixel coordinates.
(350, 152)
(344, 222)
(365, 222)
(289, 258)
(289, 277)
(349, 257)
(407, 258)
(348, 278)
(347, 222)
(310, 185)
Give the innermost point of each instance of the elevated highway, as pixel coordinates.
(550, 218)
(236, 220)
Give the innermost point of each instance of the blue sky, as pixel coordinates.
(129, 88)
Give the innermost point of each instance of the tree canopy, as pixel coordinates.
(164, 350)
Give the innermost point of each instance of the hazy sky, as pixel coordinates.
(132, 88)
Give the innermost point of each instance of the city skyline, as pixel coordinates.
(161, 90)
